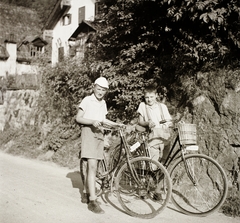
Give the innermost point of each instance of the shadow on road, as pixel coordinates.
(111, 198)
(76, 179)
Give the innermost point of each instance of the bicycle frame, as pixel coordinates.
(172, 155)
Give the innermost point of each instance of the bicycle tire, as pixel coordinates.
(116, 157)
(100, 175)
(210, 190)
(137, 197)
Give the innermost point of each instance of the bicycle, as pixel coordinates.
(134, 180)
(199, 182)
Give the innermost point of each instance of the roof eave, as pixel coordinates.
(80, 28)
(60, 8)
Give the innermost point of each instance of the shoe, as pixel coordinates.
(85, 198)
(94, 207)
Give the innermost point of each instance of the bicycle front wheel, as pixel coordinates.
(199, 185)
(143, 188)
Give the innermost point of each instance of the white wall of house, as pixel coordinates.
(3, 68)
(9, 66)
(61, 33)
(26, 69)
(11, 61)
(12, 67)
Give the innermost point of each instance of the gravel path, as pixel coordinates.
(38, 192)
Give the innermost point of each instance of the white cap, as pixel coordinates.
(102, 82)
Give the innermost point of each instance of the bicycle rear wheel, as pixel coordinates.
(137, 194)
(207, 190)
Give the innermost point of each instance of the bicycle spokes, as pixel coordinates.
(199, 185)
(137, 185)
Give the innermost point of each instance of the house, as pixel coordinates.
(16, 59)
(21, 40)
(69, 27)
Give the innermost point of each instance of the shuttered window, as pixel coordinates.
(67, 19)
(81, 14)
(60, 54)
(98, 8)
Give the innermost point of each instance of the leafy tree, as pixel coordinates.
(142, 41)
(63, 86)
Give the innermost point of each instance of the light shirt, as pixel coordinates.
(156, 114)
(93, 108)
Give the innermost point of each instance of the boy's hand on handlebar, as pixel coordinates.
(112, 125)
(167, 123)
(151, 124)
(121, 125)
(163, 121)
(96, 123)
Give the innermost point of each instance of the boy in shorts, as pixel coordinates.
(151, 114)
(92, 114)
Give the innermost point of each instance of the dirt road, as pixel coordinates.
(37, 192)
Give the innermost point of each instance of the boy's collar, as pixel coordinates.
(154, 105)
(95, 99)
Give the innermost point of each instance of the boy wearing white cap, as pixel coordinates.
(92, 114)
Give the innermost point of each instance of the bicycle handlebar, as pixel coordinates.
(174, 121)
(113, 127)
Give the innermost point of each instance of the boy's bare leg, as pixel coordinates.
(85, 195)
(93, 205)
(91, 177)
(85, 172)
(166, 150)
(156, 154)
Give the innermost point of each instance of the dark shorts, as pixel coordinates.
(92, 143)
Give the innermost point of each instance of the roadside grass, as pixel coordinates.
(231, 206)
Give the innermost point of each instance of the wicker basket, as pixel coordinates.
(187, 134)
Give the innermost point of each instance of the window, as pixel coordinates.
(60, 54)
(98, 8)
(81, 14)
(67, 19)
(35, 51)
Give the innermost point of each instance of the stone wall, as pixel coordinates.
(18, 109)
(217, 115)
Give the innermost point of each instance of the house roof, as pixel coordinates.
(35, 40)
(58, 11)
(84, 27)
(23, 48)
(3, 53)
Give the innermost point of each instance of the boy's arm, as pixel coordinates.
(85, 121)
(144, 123)
(109, 122)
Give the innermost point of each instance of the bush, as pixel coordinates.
(23, 142)
(232, 204)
